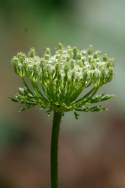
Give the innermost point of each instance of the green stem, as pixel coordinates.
(54, 149)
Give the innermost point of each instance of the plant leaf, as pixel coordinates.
(101, 98)
(97, 108)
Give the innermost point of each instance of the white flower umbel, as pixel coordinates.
(66, 80)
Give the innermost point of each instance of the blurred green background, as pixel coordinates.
(92, 149)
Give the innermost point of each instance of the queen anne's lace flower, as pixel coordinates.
(66, 80)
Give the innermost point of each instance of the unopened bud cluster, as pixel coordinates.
(65, 80)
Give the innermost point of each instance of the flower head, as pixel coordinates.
(66, 80)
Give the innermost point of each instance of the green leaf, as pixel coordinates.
(101, 98)
(76, 115)
(97, 108)
(13, 99)
(25, 107)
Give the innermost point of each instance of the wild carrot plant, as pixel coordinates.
(67, 79)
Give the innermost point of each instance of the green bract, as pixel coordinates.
(66, 80)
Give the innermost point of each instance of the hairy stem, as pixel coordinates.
(54, 149)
